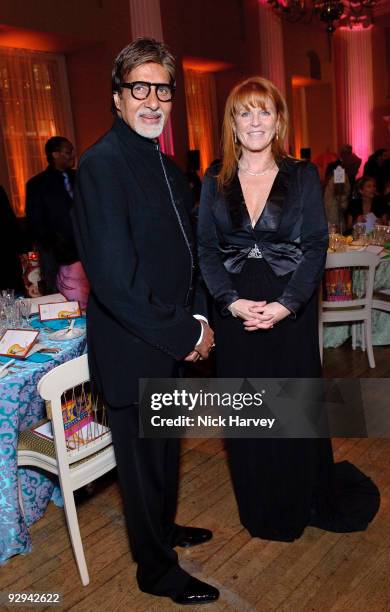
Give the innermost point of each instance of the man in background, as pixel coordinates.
(350, 162)
(49, 200)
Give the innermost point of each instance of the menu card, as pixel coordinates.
(17, 342)
(45, 299)
(59, 310)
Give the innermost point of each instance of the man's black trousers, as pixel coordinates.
(148, 472)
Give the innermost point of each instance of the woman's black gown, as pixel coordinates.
(283, 485)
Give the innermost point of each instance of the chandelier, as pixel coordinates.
(334, 13)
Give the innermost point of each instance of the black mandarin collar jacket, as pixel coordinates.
(138, 253)
(291, 233)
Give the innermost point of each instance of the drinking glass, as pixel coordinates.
(379, 234)
(13, 315)
(25, 308)
(8, 294)
(387, 234)
(3, 316)
(359, 231)
(339, 244)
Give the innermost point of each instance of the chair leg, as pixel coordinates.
(363, 336)
(74, 532)
(321, 340)
(368, 338)
(354, 326)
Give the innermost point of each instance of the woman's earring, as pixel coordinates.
(235, 136)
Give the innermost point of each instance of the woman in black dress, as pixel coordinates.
(262, 247)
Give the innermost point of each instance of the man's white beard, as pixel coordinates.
(149, 131)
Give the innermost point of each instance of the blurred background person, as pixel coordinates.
(378, 167)
(350, 161)
(193, 166)
(369, 207)
(49, 200)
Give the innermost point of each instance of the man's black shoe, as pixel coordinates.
(192, 536)
(196, 592)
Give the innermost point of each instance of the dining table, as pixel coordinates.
(21, 407)
(335, 334)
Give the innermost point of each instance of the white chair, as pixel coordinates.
(77, 459)
(381, 301)
(359, 308)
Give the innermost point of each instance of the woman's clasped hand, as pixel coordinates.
(258, 315)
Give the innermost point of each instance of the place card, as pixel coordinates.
(17, 342)
(339, 175)
(59, 310)
(45, 299)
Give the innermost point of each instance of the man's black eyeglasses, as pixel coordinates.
(140, 90)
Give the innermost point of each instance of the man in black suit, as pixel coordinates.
(134, 238)
(49, 199)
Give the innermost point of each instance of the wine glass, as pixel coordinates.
(358, 232)
(3, 316)
(25, 309)
(8, 296)
(13, 315)
(333, 228)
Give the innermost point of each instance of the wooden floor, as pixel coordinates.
(320, 572)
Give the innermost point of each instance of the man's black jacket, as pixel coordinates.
(48, 207)
(138, 254)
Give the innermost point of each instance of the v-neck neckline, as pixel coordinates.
(269, 196)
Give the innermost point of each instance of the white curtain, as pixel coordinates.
(354, 82)
(146, 18)
(202, 115)
(271, 46)
(34, 106)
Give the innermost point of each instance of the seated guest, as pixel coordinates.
(10, 268)
(377, 167)
(193, 166)
(368, 208)
(49, 200)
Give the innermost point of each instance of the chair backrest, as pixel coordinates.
(63, 377)
(79, 421)
(360, 259)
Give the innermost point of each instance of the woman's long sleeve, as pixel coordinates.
(213, 271)
(314, 243)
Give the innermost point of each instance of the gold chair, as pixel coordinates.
(381, 301)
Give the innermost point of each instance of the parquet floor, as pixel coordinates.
(320, 572)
